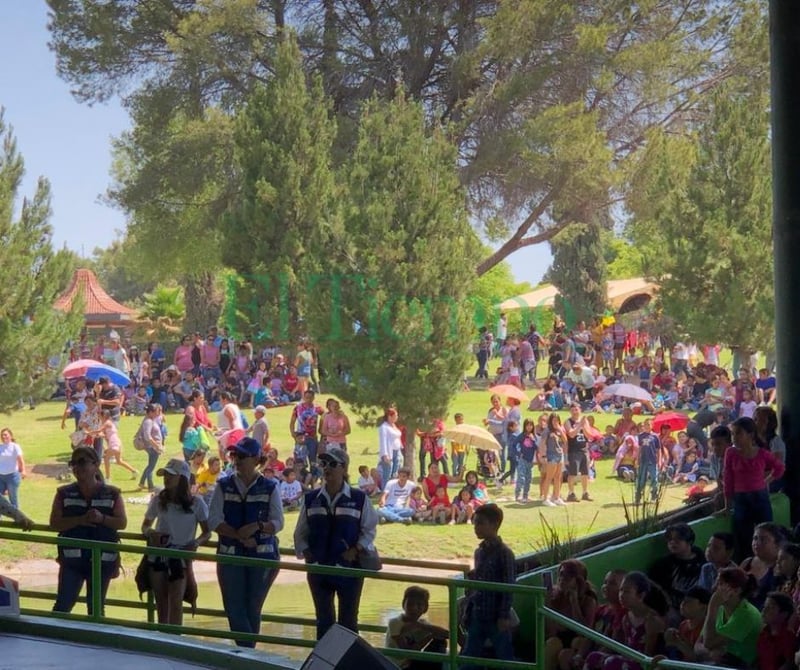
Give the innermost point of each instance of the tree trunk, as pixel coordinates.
(203, 302)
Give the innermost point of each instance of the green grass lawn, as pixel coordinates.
(47, 451)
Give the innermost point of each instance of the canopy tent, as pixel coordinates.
(624, 295)
(99, 308)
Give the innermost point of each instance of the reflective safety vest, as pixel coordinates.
(239, 510)
(74, 504)
(333, 531)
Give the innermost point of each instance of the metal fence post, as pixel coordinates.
(452, 598)
(97, 584)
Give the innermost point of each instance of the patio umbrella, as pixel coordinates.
(509, 391)
(472, 436)
(675, 421)
(630, 391)
(91, 369)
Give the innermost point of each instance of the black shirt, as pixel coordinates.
(676, 576)
(577, 443)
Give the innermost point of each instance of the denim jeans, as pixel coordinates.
(147, 473)
(647, 470)
(396, 462)
(312, 447)
(483, 358)
(392, 513)
(458, 463)
(323, 589)
(524, 473)
(244, 590)
(478, 632)
(72, 575)
(10, 483)
(386, 472)
(750, 508)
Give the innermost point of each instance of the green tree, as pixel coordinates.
(404, 272)
(578, 271)
(31, 331)
(711, 222)
(118, 271)
(164, 302)
(278, 232)
(623, 258)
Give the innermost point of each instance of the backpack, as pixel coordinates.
(139, 443)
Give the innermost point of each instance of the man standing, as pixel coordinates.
(650, 462)
(393, 505)
(577, 453)
(110, 397)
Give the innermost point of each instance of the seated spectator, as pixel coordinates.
(679, 570)
(786, 568)
(627, 459)
(765, 387)
(776, 642)
(573, 596)
(687, 471)
(366, 482)
(291, 491)
(681, 641)
(719, 555)
(420, 506)
(411, 631)
(393, 505)
(732, 626)
(643, 625)
(440, 505)
(767, 541)
(480, 496)
(463, 507)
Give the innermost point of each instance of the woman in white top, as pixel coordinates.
(390, 446)
(176, 513)
(12, 466)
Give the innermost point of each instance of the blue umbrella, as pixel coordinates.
(91, 369)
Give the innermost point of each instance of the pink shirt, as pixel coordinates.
(742, 475)
(183, 358)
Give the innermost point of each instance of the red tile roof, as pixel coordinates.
(96, 300)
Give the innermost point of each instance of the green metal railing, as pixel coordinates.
(454, 587)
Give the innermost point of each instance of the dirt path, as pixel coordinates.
(43, 572)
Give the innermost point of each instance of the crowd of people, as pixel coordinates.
(692, 605)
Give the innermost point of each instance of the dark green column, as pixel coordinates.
(784, 37)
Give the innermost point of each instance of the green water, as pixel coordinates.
(380, 601)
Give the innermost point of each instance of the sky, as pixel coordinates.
(69, 143)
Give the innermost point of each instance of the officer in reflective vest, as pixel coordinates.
(85, 510)
(336, 522)
(246, 512)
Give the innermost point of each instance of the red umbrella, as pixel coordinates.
(509, 391)
(675, 421)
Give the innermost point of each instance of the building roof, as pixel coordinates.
(98, 305)
(619, 291)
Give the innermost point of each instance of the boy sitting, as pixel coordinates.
(365, 481)
(411, 631)
(719, 555)
(776, 642)
(679, 570)
(681, 641)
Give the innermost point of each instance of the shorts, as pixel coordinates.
(578, 463)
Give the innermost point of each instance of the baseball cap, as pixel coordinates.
(260, 408)
(175, 467)
(246, 446)
(337, 455)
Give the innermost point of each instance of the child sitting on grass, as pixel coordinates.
(291, 491)
(440, 505)
(462, 509)
(365, 481)
(418, 504)
(411, 631)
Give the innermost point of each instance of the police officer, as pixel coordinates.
(246, 512)
(336, 522)
(87, 509)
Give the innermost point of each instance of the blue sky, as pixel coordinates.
(69, 143)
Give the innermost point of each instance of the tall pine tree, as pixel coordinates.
(32, 276)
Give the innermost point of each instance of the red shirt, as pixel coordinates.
(431, 485)
(774, 651)
(436, 500)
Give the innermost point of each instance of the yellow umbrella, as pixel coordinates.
(509, 391)
(472, 436)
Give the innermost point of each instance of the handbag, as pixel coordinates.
(369, 559)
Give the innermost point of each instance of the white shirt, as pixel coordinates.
(291, 490)
(397, 495)
(9, 454)
(225, 424)
(179, 525)
(388, 440)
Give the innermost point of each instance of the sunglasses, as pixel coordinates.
(328, 463)
(81, 461)
(240, 456)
